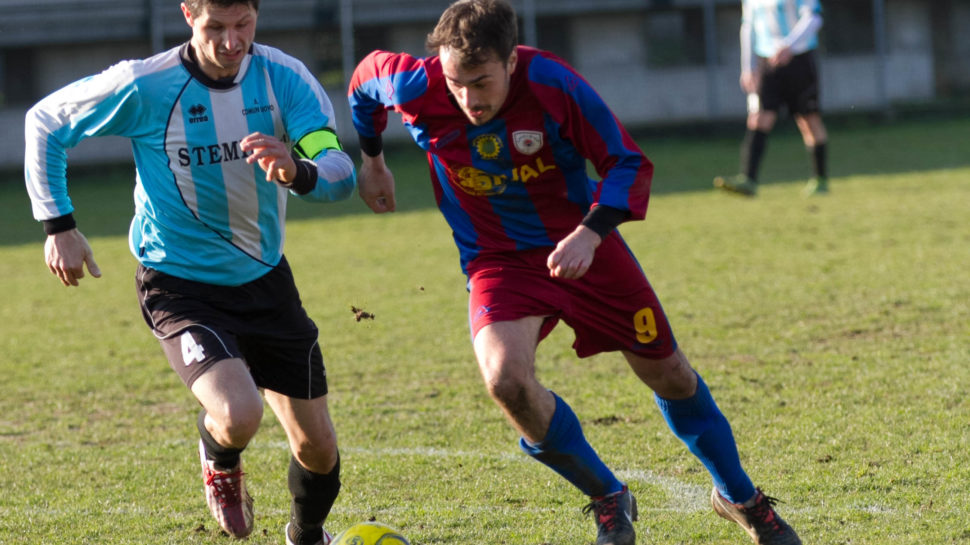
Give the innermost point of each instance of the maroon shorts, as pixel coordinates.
(612, 307)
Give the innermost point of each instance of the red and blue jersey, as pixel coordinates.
(521, 180)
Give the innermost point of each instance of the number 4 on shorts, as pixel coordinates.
(191, 351)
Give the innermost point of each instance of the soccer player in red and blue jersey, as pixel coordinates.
(508, 131)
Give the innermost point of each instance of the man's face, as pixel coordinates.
(221, 37)
(481, 90)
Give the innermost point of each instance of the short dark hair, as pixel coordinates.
(196, 6)
(475, 30)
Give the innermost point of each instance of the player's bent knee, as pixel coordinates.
(318, 457)
(505, 375)
(237, 425)
(671, 377)
(765, 121)
(506, 391)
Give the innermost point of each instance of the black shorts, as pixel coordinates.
(261, 322)
(794, 85)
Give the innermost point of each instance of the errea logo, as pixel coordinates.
(197, 113)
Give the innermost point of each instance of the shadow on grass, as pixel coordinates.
(686, 158)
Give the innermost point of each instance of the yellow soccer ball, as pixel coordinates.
(370, 533)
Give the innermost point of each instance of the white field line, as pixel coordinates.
(681, 497)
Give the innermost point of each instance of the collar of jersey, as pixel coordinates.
(187, 54)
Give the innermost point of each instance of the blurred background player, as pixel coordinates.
(222, 129)
(508, 131)
(779, 68)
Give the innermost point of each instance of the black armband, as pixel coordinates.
(306, 177)
(603, 219)
(371, 145)
(59, 224)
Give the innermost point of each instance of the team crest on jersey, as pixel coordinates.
(527, 142)
(488, 146)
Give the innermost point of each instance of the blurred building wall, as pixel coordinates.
(654, 61)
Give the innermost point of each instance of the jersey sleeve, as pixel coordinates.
(625, 172)
(807, 27)
(384, 81)
(310, 121)
(747, 40)
(104, 104)
(335, 174)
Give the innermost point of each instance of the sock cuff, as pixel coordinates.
(297, 470)
(698, 404)
(224, 457)
(563, 418)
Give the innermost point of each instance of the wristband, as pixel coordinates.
(603, 219)
(306, 177)
(59, 224)
(371, 145)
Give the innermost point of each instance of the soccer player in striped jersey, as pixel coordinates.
(779, 68)
(508, 131)
(223, 131)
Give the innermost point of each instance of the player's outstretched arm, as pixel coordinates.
(67, 253)
(375, 183)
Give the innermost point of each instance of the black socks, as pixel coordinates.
(313, 497)
(752, 149)
(817, 155)
(224, 457)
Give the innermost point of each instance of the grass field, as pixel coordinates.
(834, 333)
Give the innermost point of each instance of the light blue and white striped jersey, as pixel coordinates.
(774, 24)
(201, 212)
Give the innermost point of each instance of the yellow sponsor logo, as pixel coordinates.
(527, 172)
(483, 184)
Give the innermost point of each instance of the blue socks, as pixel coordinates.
(699, 423)
(566, 451)
(696, 421)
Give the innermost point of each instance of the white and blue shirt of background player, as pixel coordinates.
(767, 26)
(201, 212)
